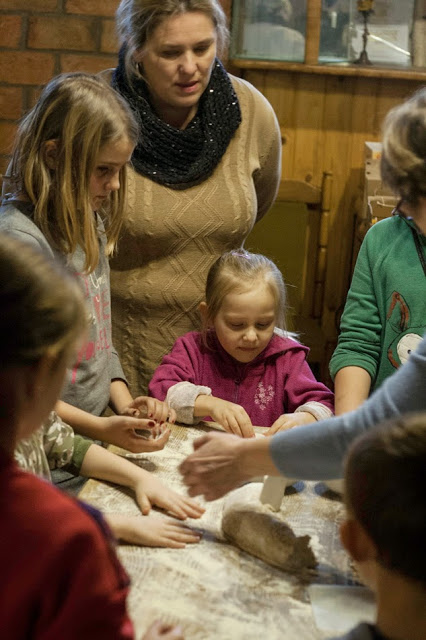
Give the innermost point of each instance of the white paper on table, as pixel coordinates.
(337, 609)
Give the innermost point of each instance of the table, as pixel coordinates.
(212, 589)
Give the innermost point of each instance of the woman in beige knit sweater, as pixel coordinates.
(206, 168)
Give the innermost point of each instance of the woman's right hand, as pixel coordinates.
(122, 432)
(163, 631)
(232, 417)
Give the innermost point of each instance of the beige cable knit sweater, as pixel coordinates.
(171, 238)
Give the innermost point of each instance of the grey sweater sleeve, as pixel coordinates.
(316, 451)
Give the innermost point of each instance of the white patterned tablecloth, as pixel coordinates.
(212, 589)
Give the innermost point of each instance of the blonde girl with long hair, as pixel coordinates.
(66, 193)
(65, 200)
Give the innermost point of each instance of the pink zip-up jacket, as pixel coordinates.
(278, 381)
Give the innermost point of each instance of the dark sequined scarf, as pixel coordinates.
(174, 157)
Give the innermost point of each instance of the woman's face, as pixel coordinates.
(177, 61)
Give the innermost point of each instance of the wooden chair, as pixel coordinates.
(294, 234)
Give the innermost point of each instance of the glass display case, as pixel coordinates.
(276, 30)
(268, 30)
(389, 26)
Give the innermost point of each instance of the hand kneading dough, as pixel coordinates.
(256, 529)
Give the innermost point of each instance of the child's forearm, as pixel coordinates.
(182, 397)
(202, 406)
(120, 396)
(102, 464)
(81, 421)
(351, 388)
(120, 525)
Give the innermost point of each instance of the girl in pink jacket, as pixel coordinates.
(242, 369)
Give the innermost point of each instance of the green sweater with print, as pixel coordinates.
(385, 313)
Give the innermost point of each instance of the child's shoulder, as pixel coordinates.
(15, 219)
(286, 341)
(387, 228)
(191, 338)
(16, 214)
(50, 514)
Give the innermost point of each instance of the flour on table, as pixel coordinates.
(263, 533)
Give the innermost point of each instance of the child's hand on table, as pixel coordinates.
(147, 407)
(232, 417)
(151, 491)
(155, 531)
(290, 420)
(151, 531)
(122, 431)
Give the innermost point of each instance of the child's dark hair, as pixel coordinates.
(42, 307)
(239, 270)
(385, 477)
(403, 163)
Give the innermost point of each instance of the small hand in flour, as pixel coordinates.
(290, 420)
(147, 407)
(232, 417)
(150, 491)
(122, 431)
(152, 531)
(162, 631)
(154, 439)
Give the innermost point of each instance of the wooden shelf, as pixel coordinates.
(412, 73)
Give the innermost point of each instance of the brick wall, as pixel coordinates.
(40, 38)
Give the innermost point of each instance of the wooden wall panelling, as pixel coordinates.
(325, 120)
(364, 108)
(322, 250)
(280, 91)
(391, 93)
(308, 113)
(347, 131)
(334, 144)
(313, 27)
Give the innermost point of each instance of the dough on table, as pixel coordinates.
(258, 530)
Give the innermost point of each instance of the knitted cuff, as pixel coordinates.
(318, 410)
(181, 397)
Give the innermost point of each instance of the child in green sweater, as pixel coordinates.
(385, 313)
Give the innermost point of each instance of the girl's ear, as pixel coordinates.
(50, 153)
(356, 541)
(41, 373)
(203, 311)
